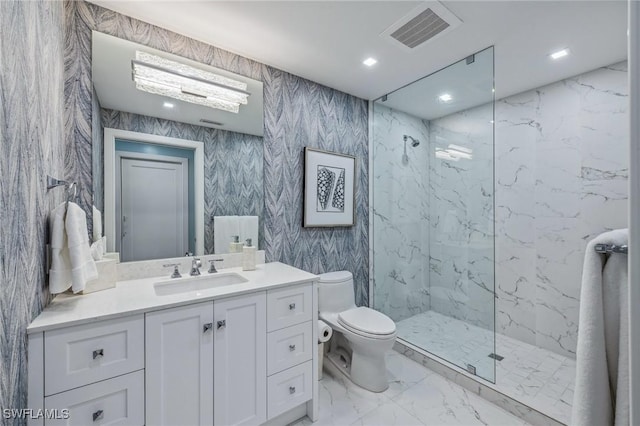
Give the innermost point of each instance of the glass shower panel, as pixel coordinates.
(433, 212)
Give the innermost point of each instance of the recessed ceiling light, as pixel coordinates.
(445, 97)
(168, 105)
(559, 54)
(370, 62)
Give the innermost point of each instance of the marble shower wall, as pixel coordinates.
(400, 214)
(233, 166)
(298, 113)
(561, 179)
(461, 247)
(31, 146)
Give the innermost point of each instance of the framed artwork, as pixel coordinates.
(329, 189)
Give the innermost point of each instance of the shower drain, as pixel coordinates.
(496, 356)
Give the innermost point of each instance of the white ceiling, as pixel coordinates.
(326, 41)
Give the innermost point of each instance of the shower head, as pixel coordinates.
(414, 142)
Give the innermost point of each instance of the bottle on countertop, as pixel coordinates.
(248, 256)
(235, 246)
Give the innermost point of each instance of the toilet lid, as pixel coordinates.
(367, 321)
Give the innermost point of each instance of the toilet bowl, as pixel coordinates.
(362, 336)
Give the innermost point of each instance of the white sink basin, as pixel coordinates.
(204, 282)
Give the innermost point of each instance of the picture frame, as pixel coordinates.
(329, 189)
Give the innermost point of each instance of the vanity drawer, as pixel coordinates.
(288, 389)
(288, 306)
(83, 354)
(117, 401)
(289, 346)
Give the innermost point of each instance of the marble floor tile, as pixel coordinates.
(416, 396)
(536, 377)
(436, 400)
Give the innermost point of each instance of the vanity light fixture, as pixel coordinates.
(445, 97)
(370, 62)
(560, 54)
(160, 76)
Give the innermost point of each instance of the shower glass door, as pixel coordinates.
(433, 212)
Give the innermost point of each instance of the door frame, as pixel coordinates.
(109, 220)
(150, 158)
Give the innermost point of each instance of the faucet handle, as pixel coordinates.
(212, 268)
(176, 270)
(195, 267)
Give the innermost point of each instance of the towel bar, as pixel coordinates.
(611, 248)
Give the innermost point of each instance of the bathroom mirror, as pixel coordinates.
(200, 162)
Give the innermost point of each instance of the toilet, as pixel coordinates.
(361, 336)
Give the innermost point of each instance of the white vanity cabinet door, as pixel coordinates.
(240, 368)
(88, 353)
(289, 306)
(117, 401)
(179, 366)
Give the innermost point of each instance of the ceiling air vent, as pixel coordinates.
(429, 20)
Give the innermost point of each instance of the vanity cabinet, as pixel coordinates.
(240, 364)
(244, 357)
(179, 365)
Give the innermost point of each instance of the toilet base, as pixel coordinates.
(363, 369)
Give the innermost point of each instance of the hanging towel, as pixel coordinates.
(71, 261)
(224, 227)
(249, 229)
(97, 224)
(601, 394)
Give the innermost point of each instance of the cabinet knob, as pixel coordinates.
(97, 353)
(222, 324)
(292, 306)
(292, 389)
(208, 326)
(98, 415)
(292, 348)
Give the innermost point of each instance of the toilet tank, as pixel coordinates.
(335, 292)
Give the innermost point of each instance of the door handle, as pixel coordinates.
(208, 326)
(97, 353)
(98, 415)
(222, 324)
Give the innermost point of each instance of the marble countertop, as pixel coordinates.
(138, 296)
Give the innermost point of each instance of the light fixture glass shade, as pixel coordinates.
(164, 77)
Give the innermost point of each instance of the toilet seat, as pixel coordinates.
(367, 322)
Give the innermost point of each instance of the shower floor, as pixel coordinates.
(536, 377)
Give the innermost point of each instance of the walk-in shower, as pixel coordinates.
(433, 237)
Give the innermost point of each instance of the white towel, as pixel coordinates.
(97, 224)
(224, 227)
(601, 394)
(249, 229)
(71, 261)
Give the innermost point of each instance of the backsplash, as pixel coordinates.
(298, 113)
(31, 147)
(232, 161)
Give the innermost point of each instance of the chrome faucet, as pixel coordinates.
(212, 268)
(195, 267)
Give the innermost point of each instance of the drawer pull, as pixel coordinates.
(97, 353)
(98, 415)
(208, 326)
(292, 389)
(292, 348)
(222, 324)
(292, 306)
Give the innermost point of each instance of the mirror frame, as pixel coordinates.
(110, 136)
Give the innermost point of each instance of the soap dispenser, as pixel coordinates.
(248, 256)
(235, 246)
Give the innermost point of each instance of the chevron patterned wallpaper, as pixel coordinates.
(297, 112)
(31, 132)
(233, 166)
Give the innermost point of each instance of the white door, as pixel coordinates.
(153, 221)
(240, 368)
(179, 366)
